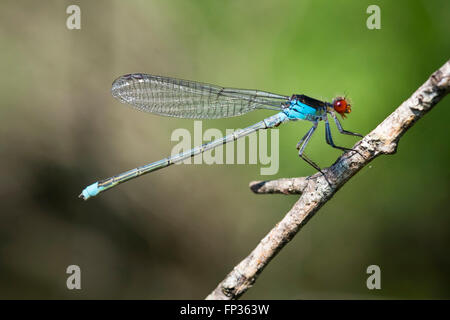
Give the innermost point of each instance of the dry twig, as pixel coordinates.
(316, 191)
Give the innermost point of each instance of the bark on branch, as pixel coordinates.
(316, 191)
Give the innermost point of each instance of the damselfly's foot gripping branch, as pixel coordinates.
(188, 99)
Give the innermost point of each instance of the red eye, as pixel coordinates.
(341, 106)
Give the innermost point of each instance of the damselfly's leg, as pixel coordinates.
(302, 145)
(330, 139)
(309, 133)
(341, 130)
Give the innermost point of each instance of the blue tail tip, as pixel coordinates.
(90, 191)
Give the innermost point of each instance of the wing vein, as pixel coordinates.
(190, 99)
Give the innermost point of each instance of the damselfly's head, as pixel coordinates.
(342, 106)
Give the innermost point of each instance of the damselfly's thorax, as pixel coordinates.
(314, 103)
(301, 107)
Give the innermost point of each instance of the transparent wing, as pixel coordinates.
(189, 99)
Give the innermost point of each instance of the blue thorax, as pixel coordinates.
(298, 110)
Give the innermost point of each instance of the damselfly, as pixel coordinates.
(189, 99)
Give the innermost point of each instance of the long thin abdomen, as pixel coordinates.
(103, 185)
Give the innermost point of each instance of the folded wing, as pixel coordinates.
(190, 99)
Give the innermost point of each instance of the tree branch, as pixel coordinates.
(316, 190)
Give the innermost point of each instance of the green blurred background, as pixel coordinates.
(177, 232)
